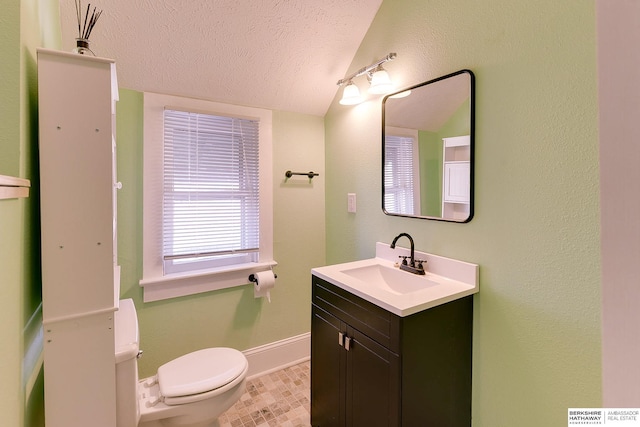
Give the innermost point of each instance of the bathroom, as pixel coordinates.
(547, 331)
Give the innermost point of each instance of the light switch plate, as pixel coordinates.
(351, 202)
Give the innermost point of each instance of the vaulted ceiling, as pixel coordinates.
(276, 54)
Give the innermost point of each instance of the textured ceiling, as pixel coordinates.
(276, 54)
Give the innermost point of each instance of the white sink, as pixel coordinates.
(391, 279)
(380, 281)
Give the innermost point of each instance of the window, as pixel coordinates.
(207, 220)
(399, 174)
(210, 211)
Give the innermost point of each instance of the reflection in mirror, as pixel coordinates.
(427, 149)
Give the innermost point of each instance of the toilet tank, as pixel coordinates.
(127, 347)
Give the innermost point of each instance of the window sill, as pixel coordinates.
(178, 285)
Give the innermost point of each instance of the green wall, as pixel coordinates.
(431, 164)
(10, 89)
(230, 317)
(535, 233)
(24, 25)
(430, 155)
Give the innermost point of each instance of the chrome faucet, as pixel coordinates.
(413, 266)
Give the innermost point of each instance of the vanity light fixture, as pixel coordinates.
(377, 76)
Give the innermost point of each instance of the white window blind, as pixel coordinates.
(210, 191)
(398, 174)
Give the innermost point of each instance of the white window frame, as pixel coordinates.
(157, 285)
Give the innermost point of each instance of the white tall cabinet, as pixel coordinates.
(80, 275)
(456, 177)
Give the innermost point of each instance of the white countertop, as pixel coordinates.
(453, 280)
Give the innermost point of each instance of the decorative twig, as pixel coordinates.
(84, 29)
(78, 16)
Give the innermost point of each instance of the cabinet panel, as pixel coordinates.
(347, 379)
(80, 367)
(76, 150)
(372, 383)
(327, 387)
(364, 316)
(436, 357)
(456, 182)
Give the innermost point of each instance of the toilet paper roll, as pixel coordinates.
(265, 281)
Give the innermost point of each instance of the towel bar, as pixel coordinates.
(311, 174)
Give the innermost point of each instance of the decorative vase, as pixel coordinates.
(82, 47)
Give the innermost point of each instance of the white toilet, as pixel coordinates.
(190, 391)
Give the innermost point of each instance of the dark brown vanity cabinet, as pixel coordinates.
(372, 368)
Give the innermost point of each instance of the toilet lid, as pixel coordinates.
(200, 371)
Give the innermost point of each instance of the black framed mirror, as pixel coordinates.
(428, 149)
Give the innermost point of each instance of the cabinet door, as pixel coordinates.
(456, 182)
(373, 391)
(327, 370)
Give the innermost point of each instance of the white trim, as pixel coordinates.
(12, 181)
(13, 187)
(156, 284)
(76, 316)
(410, 133)
(278, 355)
(177, 285)
(457, 141)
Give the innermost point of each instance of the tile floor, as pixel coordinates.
(279, 399)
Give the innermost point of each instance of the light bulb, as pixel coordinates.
(351, 95)
(380, 81)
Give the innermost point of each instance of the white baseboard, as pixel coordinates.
(278, 355)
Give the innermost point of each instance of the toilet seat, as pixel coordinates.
(201, 374)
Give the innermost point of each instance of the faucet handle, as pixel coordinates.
(419, 263)
(404, 259)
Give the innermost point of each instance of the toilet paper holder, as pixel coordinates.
(254, 279)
